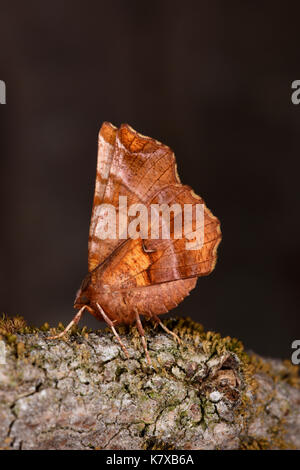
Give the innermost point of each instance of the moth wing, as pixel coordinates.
(129, 165)
(106, 140)
(144, 171)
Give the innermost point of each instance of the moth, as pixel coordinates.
(134, 272)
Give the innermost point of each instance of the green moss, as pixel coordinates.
(9, 326)
(289, 373)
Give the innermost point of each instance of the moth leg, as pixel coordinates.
(111, 325)
(142, 333)
(167, 329)
(73, 322)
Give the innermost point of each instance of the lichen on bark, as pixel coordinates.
(82, 392)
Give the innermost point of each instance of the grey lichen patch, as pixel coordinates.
(82, 393)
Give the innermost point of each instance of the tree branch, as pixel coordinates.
(82, 393)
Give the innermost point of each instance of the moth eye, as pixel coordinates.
(84, 299)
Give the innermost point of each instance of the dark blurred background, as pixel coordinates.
(210, 79)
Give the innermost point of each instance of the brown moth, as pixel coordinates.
(130, 276)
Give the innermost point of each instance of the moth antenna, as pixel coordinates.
(167, 329)
(73, 322)
(142, 333)
(111, 325)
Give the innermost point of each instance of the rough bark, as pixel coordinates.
(82, 393)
